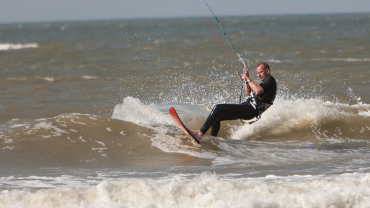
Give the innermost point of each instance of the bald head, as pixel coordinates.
(263, 70)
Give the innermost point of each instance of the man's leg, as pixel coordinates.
(222, 112)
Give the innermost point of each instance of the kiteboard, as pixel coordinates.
(179, 124)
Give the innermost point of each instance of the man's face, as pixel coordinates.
(262, 73)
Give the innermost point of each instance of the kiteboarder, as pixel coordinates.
(260, 97)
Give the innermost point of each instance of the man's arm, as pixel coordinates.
(247, 88)
(255, 87)
(248, 82)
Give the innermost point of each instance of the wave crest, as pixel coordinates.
(11, 46)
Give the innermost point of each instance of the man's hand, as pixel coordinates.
(246, 74)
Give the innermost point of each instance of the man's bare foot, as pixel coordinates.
(197, 134)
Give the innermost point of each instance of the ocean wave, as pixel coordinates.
(137, 130)
(365, 113)
(343, 59)
(205, 190)
(274, 61)
(156, 117)
(291, 119)
(70, 139)
(89, 77)
(133, 110)
(294, 123)
(11, 46)
(298, 119)
(52, 79)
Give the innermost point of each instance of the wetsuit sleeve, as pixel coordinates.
(269, 89)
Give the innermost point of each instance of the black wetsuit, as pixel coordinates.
(245, 110)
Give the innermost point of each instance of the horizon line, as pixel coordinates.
(178, 17)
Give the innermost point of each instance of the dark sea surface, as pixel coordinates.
(84, 113)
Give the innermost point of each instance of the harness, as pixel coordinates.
(258, 105)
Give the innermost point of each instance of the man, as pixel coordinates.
(253, 107)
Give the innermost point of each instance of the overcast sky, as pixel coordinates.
(20, 11)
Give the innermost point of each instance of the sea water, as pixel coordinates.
(84, 113)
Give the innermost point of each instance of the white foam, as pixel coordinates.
(89, 77)
(8, 141)
(80, 138)
(17, 78)
(73, 121)
(48, 126)
(286, 116)
(364, 113)
(100, 149)
(206, 190)
(8, 148)
(274, 61)
(157, 118)
(11, 46)
(101, 143)
(133, 110)
(17, 126)
(343, 59)
(49, 79)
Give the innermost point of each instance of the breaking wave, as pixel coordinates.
(11, 46)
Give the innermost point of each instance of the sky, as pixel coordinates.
(24, 11)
